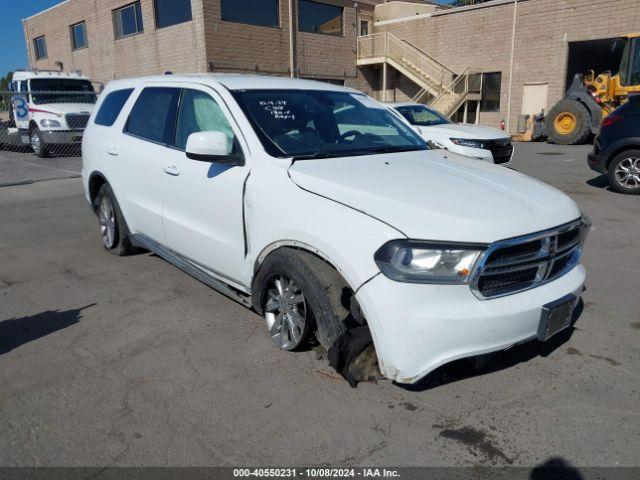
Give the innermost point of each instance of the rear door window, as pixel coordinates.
(153, 116)
(112, 106)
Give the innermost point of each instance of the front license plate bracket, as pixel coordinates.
(556, 316)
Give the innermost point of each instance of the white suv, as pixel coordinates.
(320, 209)
(51, 108)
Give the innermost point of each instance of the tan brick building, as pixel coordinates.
(506, 59)
(554, 39)
(207, 41)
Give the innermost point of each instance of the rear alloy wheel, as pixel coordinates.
(107, 221)
(114, 232)
(624, 172)
(285, 312)
(37, 143)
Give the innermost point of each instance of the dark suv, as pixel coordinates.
(616, 151)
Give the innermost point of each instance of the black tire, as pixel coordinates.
(39, 147)
(628, 157)
(321, 285)
(12, 120)
(121, 244)
(582, 129)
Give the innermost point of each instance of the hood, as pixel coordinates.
(465, 130)
(64, 108)
(438, 195)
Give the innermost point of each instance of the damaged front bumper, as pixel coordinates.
(416, 328)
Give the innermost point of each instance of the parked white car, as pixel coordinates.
(51, 108)
(319, 208)
(476, 141)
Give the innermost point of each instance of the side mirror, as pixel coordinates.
(212, 147)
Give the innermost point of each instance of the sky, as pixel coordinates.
(12, 44)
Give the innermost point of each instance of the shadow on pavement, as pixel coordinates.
(494, 362)
(555, 468)
(600, 181)
(15, 332)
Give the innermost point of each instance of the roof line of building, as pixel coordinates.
(45, 11)
(447, 11)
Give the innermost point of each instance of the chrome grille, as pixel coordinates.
(77, 121)
(521, 263)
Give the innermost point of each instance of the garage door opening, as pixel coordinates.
(598, 55)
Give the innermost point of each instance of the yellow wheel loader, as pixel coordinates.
(591, 98)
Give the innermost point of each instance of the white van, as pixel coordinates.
(320, 209)
(51, 108)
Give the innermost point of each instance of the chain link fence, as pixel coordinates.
(41, 134)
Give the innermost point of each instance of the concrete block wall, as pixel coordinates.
(480, 37)
(249, 48)
(179, 48)
(205, 44)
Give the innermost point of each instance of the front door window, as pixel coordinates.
(200, 113)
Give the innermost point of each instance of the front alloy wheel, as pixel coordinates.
(286, 313)
(107, 221)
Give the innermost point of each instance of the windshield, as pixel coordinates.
(422, 116)
(319, 124)
(58, 90)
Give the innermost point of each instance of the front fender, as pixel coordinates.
(279, 213)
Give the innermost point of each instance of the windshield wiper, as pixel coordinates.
(314, 155)
(355, 153)
(397, 148)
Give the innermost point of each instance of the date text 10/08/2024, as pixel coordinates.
(316, 472)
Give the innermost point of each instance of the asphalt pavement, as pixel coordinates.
(127, 361)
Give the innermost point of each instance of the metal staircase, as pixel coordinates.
(440, 87)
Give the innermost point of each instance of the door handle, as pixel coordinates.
(172, 170)
(113, 151)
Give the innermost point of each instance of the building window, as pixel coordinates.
(490, 100)
(40, 47)
(128, 20)
(264, 13)
(364, 28)
(172, 12)
(317, 17)
(78, 36)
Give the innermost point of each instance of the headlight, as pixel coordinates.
(465, 142)
(414, 261)
(47, 123)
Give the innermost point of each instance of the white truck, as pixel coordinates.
(50, 108)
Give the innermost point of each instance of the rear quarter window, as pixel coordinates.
(111, 107)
